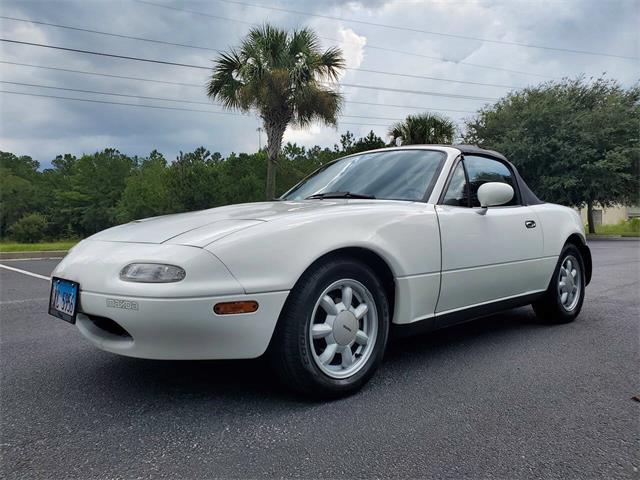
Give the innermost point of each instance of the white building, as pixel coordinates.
(611, 215)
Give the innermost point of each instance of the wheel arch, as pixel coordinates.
(581, 245)
(365, 255)
(373, 260)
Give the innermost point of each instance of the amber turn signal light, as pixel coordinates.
(231, 308)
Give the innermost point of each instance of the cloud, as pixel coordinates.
(352, 46)
(44, 127)
(307, 136)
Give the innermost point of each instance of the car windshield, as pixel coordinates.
(388, 175)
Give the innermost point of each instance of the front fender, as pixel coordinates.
(273, 255)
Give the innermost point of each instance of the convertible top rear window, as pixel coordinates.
(390, 175)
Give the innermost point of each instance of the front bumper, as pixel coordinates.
(178, 328)
(166, 320)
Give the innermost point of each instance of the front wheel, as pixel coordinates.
(333, 330)
(563, 299)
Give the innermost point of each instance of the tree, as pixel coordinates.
(280, 75)
(194, 181)
(242, 178)
(64, 206)
(576, 141)
(23, 167)
(15, 198)
(146, 193)
(19, 192)
(29, 229)
(350, 145)
(423, 128)
(97, 184)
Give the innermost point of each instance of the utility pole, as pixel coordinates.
(259, 130)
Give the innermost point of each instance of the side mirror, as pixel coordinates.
(492, 194)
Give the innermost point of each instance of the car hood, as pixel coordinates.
(206, 226)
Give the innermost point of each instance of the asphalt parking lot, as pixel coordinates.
(503, 397)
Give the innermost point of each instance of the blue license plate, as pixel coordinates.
(63, 300)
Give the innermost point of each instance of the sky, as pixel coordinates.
(425, 41)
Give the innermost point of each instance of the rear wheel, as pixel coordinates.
(333, 331)
(563, 299)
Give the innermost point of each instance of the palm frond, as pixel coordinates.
(424, 128)
(266, 44)
(303, 41)
(332, 63)
(279, 74)
(225, 83)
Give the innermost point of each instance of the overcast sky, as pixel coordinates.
(44, 127)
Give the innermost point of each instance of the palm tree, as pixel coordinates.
(423, 128)
(281, 76)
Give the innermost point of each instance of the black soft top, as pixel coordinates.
(527, 196)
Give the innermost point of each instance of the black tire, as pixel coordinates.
(550, 307)
(291, 350)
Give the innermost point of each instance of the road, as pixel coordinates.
(503, 397)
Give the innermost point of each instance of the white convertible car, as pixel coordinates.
(418, 236)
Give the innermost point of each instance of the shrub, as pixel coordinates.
(29, 229)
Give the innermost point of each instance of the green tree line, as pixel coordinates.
(78, 196)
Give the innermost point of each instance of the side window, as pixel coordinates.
(482, 170)
(456, 194)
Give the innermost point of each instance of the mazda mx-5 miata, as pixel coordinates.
(416, 237)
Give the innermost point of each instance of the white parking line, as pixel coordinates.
(24, 272)
(29, 259)
(28, 300)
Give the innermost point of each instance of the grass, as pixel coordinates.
(630, 228)
(8, 246)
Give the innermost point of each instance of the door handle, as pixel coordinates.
(530, 224)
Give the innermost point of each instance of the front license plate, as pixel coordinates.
(63, 300)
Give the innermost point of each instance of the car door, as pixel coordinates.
(487, 255)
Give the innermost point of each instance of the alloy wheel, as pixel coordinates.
(569, 283)
(343, 328)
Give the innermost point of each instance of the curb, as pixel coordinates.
(32, 255)
(614, 238)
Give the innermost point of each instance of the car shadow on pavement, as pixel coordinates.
(235, 382)
(494, 326)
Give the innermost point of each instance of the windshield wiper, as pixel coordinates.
(339, 195)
